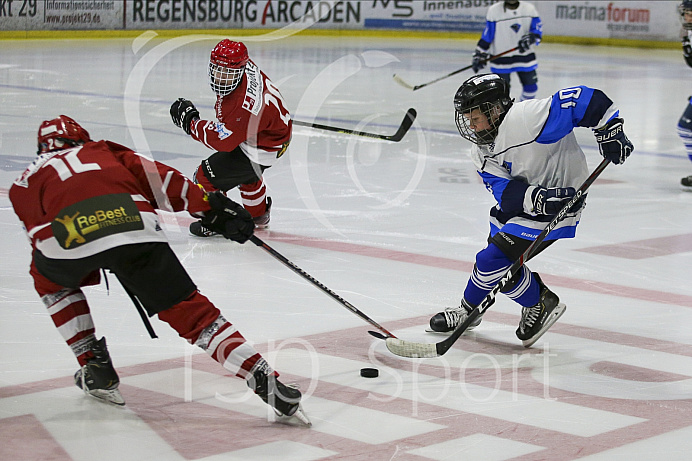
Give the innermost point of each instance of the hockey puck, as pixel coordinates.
(369, 372)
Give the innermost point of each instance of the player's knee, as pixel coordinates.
(491, 259)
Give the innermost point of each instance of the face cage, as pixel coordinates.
(223, 80)
(482, 137)
(682, 10)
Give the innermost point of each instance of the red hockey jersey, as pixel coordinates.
(80, 201)
(253, 116)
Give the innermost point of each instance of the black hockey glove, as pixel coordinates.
(549, 201)
(183, 112)
(228, 218)
(612, 142)
(480, 59)
(526, 41)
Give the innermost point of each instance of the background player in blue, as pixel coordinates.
(508, 25)
(528, 157)
(685, 122)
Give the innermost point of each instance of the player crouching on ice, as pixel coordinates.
(252, 131)
(90, 205)
(528, 157)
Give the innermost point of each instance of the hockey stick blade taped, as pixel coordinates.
(401, 82)
(412, 350)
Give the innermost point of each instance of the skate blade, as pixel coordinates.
(441, 333)
(447, 333)
(112, 396)
(298, 416)
(554, 316)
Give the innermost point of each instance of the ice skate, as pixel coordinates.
(285, 400)
(198, 229)
(447, 320)
(262, 222)
(536, 320)
(98, 377)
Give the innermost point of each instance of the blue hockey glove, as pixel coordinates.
(526, 41)
(479, 60)
(547, 201)
(612, 142)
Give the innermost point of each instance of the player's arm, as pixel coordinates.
(26, 202)
(182, 194)
(589, 108)
(579, 106)
(487, 37)
(218, 136)
(480, 55)
(515, 196)
(215, 135)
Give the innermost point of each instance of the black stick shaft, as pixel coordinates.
(257, 241)
(417, 87)
(396, 137)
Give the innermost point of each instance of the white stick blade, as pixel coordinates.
(412, 350)
(401, 82)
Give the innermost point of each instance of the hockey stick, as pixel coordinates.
(396, 137)
(422, 350)
(401, 82)
(257, 241)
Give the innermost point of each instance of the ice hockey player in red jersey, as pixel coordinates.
(90, 205)
(252, 131)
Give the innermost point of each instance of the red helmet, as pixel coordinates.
(227, 66)
(57, 133)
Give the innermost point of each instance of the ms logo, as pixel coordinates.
(515, 28)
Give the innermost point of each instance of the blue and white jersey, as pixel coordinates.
(503, 29)
(536, 146)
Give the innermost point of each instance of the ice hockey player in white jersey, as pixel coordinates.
(685, 122)
(527, 155)
(511, 24)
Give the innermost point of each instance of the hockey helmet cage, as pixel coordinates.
(487, 94)
(227, 66)
(683, 7)
(60, 133)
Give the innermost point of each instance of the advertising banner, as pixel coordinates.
(61, 14)
(657, 20)
(641, 20)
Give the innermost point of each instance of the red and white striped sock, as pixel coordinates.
(254, 197)
(70, 313)
(201, 323)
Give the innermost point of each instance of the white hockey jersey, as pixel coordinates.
(536, 146)
(503, 29)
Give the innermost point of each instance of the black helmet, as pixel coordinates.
(682, 7)
(489, 94)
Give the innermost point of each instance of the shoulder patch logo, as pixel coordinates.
(221, 130)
